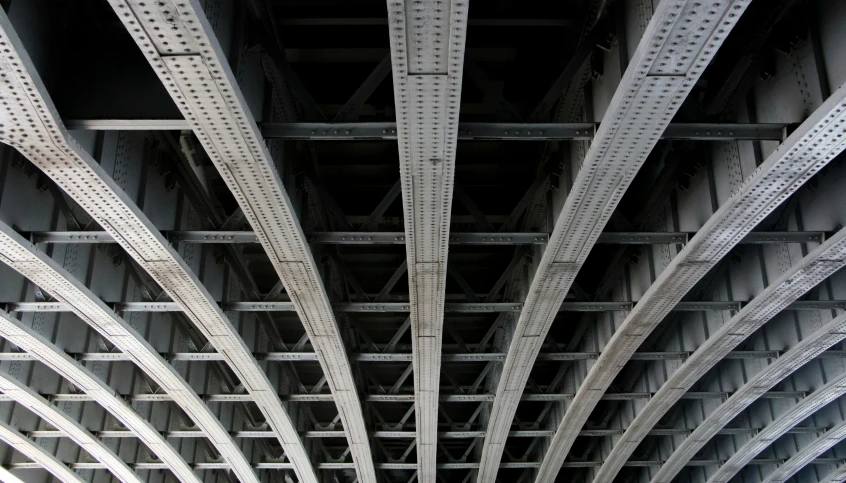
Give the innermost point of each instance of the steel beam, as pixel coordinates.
(650, 92)
(7, 477)
(40, 457)
(467, 131)
(808, 454)
(68, 427)
(198, 77)
(427, 56)
(785, 422)
(21, 256)
(398, 238)
(96, 390)
(816, 142)
(46, 143)
(810, 347)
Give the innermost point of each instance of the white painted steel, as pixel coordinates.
(54, 358)
(831, 333)
(6, 476)
(659, 77)
(39, 455)
(816, 142)
(427, 54)
(832, 390)
(19, 254)
(836, 476)
(40, 136)
(70, 428)
(808, 454)
(182, 48)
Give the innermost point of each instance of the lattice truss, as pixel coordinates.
(433, 240)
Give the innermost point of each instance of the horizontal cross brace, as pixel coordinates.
(409, 398)
(455, 238)
(413, 466)
(403, 357)
(402, 307)
(466, 131)
(122, 433)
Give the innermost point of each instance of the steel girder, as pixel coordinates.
(18, 254)
(657, 80)
(808, 454)
(37, 454)
(427, 55)
(41, 137)
(813, 145)
(54, 358)
(68, 427)
(193, 67)
(7, 477)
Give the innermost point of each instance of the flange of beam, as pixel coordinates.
(6, 476)
(427, 56)
(182, 48)
(37, 454)
(810, 347)
(68, 427)
(808, 454)
(784, 423)
(816, 142)
(659, 77)
(40, 136)
(19, 255)
(96, 390)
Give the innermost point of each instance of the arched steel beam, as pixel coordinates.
(6, 476)
(816, 142)
(192, 66)
(808, 454)
(836, 476)
(31, 400)
(54, 358)
(813, 345)
(659, 77)
(20, 255)
(40, 136)
(427, 55)
(786, 421)
(39, 455)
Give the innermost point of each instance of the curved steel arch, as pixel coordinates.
(39, 455)
(71, 428)
(6, 476)
(192, 66)
(652, 89)
(831, 333)
(813, 145)
(808, 454)
(16, 252)
(44, 141)
(427, 73)
(779, 427)
(54, 358)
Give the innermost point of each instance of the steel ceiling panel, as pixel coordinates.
(427, 40)
(198, 77)
(816, 142)
(648, 96)
(54, 358)
(31, 400)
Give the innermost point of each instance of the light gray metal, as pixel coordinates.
(816, 142)
(16, 252)
(46, 143)
(810, 347)
(784, 423)
(37, 454)
(808, 454)
(68, 427)
(193, 68)
(427, 56)
(96, 390)
(653, 87)
(6, 476)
